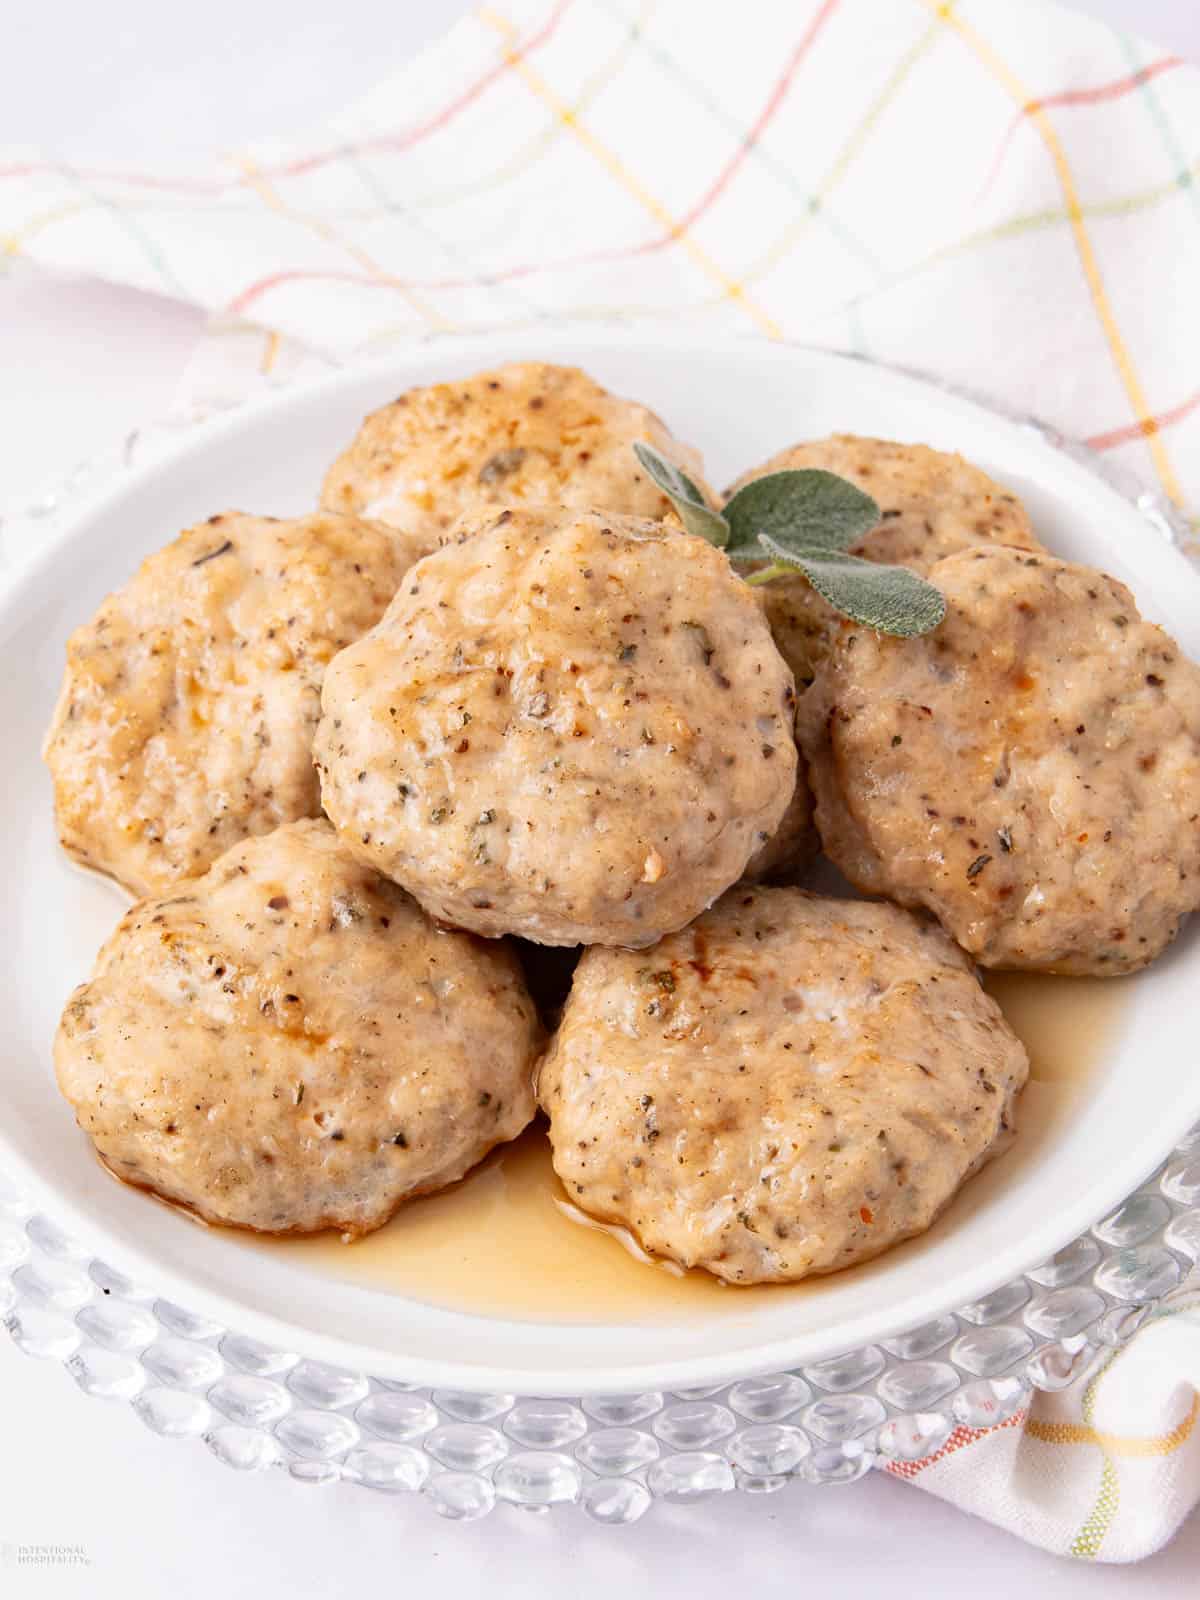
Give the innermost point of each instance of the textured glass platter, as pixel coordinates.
(257, 1406)
(1015, 1289)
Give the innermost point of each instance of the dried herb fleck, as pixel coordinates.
(212, 555)
(500, 466)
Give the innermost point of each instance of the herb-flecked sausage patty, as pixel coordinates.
(570, 726)
(190, 699)
(932, 504)
(526, 434)
(1029, 772)
(787, 1087)
(288, 1043)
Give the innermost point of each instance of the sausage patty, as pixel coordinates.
(570, 726)
(789, 1086)
(1029, 772)
(527, 434)
(288, 1043)
(931, 503)
(190, 699)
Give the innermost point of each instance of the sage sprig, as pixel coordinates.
(805, 521)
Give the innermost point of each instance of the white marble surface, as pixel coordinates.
(82, 363)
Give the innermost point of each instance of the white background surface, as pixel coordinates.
(79, 365)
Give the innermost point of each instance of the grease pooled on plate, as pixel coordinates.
(506, 1242)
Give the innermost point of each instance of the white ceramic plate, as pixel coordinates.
(739, 402)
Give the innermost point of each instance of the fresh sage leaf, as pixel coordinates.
(805, 520)
(889, 599)
(808, 508)
(687, 497)
(672, 480)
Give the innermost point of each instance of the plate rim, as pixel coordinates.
(1076, 1217)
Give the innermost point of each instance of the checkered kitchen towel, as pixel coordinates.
(995, 191)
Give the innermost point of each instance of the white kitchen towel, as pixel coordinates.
(1106, 1469)
(998, 192)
